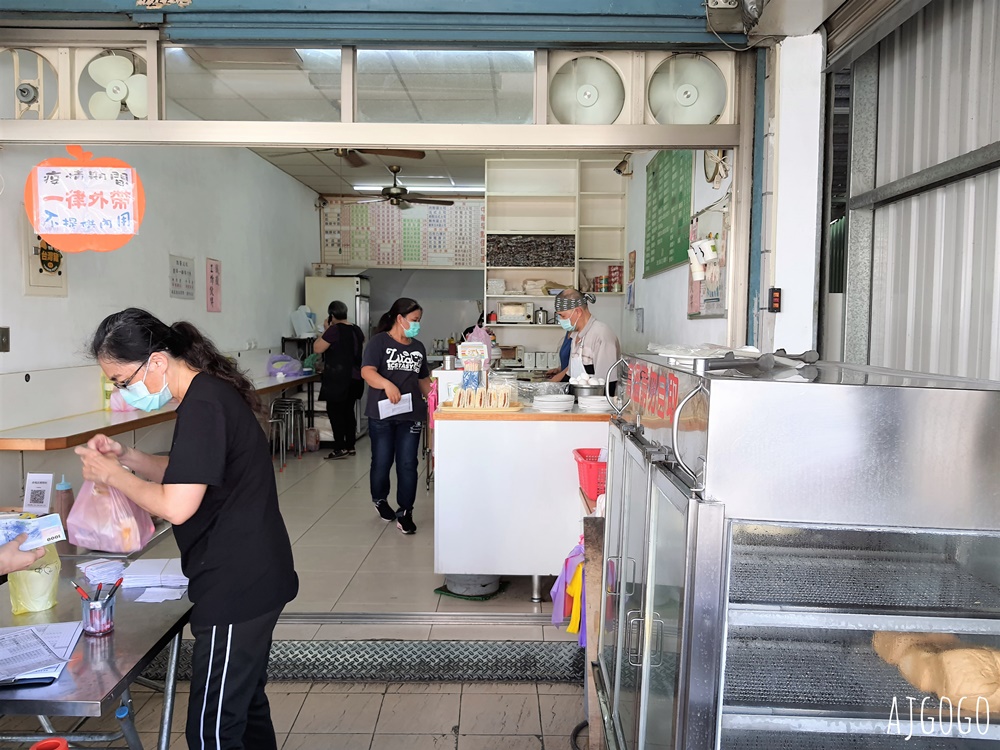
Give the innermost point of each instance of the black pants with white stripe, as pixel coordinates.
(228, 708)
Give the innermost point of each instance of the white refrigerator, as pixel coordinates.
(353, 291)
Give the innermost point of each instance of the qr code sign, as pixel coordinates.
(36, 497)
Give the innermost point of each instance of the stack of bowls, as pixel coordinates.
(595, 404)
(554, 403)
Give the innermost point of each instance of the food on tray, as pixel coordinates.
(892, 646)
(941, 664)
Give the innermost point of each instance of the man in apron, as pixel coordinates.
(595, 346)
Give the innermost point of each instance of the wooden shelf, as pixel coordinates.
(616, 227)
(520, 296)
(603, 194)
(530, 268)
(602, 260)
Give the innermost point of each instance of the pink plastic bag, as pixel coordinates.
(103, 519)
(118, 402)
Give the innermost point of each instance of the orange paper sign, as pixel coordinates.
(83, 203)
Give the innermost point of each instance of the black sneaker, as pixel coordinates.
(404, 522)
(337, 454)
(385, 510)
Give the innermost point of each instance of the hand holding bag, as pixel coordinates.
(104, 519)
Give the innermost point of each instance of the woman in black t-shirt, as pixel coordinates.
(341, 346)
(395, 367)
(217, 489)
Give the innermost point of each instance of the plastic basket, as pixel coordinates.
(593, 472)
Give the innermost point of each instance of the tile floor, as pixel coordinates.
(349, 560)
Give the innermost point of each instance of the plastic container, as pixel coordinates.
(98, 617)
(62, 503)
(593, 472)
(55, 743)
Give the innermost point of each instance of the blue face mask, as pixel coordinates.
(413, 330)
(137, 395)
(567, 324)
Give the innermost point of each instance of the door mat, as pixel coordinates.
(443, 590)
(408, 661)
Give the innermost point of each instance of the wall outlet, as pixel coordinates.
(4, 339)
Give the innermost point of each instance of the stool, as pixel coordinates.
(278, 441)
(291, 412)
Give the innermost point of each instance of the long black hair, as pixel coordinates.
(132, 335)
(403, 306)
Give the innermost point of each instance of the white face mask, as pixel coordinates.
(137, 395)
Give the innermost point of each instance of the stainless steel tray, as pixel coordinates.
(750, 740)
(798, 578)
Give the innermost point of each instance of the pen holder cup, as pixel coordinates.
(98, 616)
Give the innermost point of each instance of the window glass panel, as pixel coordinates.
(445, 86)
(258, 83)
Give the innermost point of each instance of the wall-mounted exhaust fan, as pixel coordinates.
(33, 82)
(397, 195)
(122, 87)
(687, 90)
(586, 91)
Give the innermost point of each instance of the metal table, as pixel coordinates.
(101, 670)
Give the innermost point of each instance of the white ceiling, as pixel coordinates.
(329, 174)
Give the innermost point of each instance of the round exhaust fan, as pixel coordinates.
(119, 86)
(29, 86)
(586, 91)
(687, 90)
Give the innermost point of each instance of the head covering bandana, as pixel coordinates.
(566, 303)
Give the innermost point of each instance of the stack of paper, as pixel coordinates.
(102, 570)
(36, 655)
(141, 574)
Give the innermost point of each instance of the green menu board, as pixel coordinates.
(668, 211)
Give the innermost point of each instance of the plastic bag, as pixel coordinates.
(34, 589)
(283, 364)
(118, 402)
(104, 519)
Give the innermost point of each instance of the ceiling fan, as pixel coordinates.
(353, 155)
(397, 195)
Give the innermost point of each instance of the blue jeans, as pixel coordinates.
(397, 441)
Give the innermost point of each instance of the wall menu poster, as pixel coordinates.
(363, 235)
(668, 210)
(181, 277)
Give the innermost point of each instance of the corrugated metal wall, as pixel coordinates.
(936, 271)
(936, 281)
(939, 87)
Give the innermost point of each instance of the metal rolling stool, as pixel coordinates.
(293, 413)
(277, 440)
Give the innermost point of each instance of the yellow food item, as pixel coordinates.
(921, 667)
(892, 646)
(969, 673)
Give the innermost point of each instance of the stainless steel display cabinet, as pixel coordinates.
(762, 526)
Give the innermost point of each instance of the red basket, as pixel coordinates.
(593, 471)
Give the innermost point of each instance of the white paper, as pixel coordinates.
(387, 409)
(23, 650)
(156, 595)
(141, 574)
(61, 637)
(37, 493)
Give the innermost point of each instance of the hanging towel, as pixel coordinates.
(561, 600)
(575, 590)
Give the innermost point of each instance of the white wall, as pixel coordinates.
(663, 297)
(797, 200)
(447, 296)
(227, 204)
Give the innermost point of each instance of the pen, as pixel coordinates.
(97, 594)
(83, 594)
(114, 588)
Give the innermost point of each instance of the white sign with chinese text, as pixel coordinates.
(85, 200)
(213, 287)
(181, 277)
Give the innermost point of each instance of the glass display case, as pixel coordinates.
(804, 559)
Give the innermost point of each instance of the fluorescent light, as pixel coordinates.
(451, 189)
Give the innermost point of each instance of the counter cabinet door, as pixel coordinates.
(662, 625)
(631, 613)
(611, 590)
